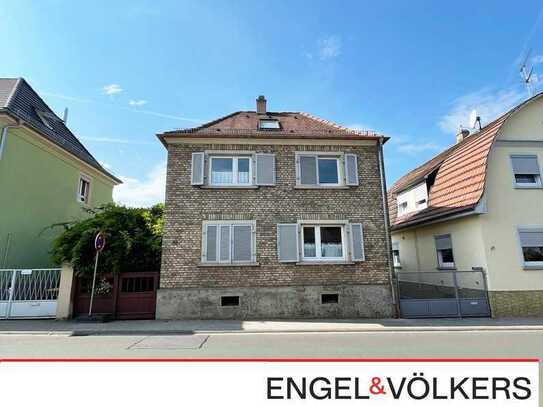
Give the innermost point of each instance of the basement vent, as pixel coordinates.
(230, 301)
(329, 298)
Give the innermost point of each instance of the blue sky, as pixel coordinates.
(412, 70)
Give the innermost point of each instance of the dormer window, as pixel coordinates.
(413, 199)
(43, 117)
(268, 124)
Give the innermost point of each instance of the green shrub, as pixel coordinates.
(133, 240)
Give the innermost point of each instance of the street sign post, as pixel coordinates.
(99, 244)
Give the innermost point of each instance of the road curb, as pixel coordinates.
(89, 332)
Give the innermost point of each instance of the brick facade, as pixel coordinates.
(188, 206)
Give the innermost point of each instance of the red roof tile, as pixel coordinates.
(293, 125)
(460, 179)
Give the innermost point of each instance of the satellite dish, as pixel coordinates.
(473, 118)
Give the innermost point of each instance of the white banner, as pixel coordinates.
(266, 382)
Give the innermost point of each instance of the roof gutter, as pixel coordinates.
(386, 222)
(461, 213)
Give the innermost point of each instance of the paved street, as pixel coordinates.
(504, 343)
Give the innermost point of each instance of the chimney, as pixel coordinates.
(461, 135)
(261, 105)
(65, 117)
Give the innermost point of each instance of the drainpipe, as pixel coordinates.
(4, 135)
(387, 225)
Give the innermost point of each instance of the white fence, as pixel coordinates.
(29, 293)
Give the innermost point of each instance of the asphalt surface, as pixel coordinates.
(498, 344)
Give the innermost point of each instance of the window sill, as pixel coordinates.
(229, 186)
(446, 268)
(228, 264)
(321, 187)
(534, 267)
(322, 263)
(528, 186)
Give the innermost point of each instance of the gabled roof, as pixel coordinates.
(245, 124)
(460, 175)
(18, 99)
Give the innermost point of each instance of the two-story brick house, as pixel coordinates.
(274, 215)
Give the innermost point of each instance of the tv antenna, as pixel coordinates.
(474, 119)
(527, 75)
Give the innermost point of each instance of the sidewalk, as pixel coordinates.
(152, 327)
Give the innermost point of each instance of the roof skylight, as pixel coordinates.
(269, 124)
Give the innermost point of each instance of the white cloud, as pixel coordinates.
(112, 89)
(105, 165)
(488, 103)
(139, 102)
(142, 192)
(416, 148)
(113, 140)
(329, 47)
(537, 59)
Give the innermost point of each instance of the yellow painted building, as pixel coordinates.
(479, 206)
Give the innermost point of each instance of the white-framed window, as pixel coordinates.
(526, 171)
(269, 124)
(229, 242)
(323, 169)
(402, 207)
(323, 242)
(413, 199)
(445, 255)
(230, 170)
(531, 243)
(83, 189)
(396, 254)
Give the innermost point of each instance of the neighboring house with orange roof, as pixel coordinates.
(274, 214)
(478, 206)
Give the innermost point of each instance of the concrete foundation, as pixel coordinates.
(354, 301)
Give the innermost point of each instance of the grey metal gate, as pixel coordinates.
(29, 293)
(433, 294)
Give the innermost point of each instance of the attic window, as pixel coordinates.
(413, 199)
(269, 124)
(43, 117)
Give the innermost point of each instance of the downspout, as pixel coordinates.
(4, 135)
(387, 225)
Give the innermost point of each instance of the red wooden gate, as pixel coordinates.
(130, 295)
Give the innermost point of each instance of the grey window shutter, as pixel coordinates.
(395, 245)
(287, 242)
(197, 169)
(531, 238)
(351, 169)
(308, 170)
(265, 169)
(525, 164)
(211, 243)
(443, 242)
(242, 237)
(357, 242)
(224, 245)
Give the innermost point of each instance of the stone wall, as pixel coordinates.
(516, 303)
(354, 301)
